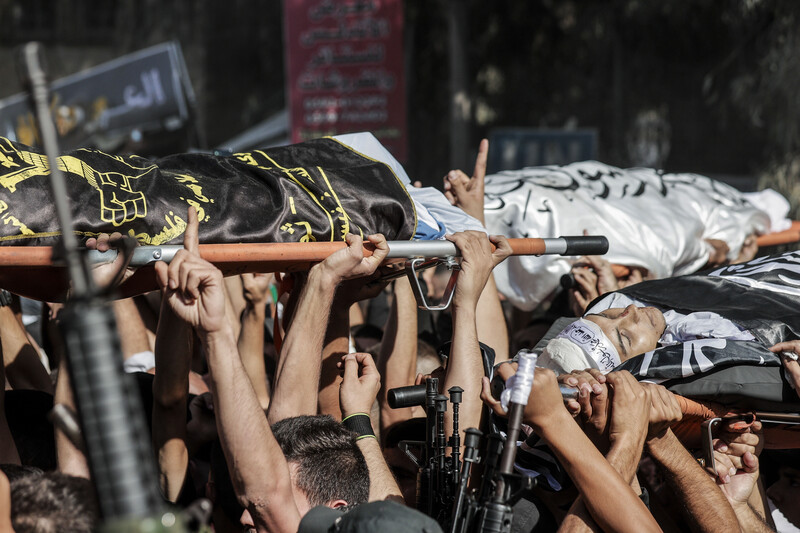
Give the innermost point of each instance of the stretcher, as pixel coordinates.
(39, 272)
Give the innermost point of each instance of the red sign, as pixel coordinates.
(345, 69)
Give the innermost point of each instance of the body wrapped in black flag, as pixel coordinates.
(314, 191)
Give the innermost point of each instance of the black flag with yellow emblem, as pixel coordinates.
(314, 191)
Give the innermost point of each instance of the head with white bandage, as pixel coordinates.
(604, 340)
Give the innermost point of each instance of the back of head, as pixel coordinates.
(329, 464)
(53, 503)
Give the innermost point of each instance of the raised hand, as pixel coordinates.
(477, 262)
(592, 406)
(192, 285)
(255, 287)
(360, 383)
(350, 262)
(545, 403)
(104, 273)
(664, 410)
(466, 192)
(630, 408)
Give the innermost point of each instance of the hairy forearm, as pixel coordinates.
(251, 349)
(173, 353)
(257, 466)
(578, 519)
(298, 372)
(605, 493)
(397, 362)
(624, 456)
(382, 484)
(749, 520)
(697, 492)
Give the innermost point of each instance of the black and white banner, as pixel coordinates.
(652, 220)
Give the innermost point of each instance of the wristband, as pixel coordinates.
(360, 424)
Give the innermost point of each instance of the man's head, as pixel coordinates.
(604, 340)
(53, 502)
(632, 330)
(326, 465)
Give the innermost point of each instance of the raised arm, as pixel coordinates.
(259, 472)
(608, 497)
(357, 393)
(255, 291)
(467, 193)
(8, 449)
(465, 364)
(297, 377)
(697, 492)
(24, 369)
(173, 355)
(626, 429)
(397, 362)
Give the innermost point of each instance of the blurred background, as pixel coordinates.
(708, 86)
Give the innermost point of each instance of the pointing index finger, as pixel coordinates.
(191, 240)
(480, 161)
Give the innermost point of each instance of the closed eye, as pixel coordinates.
(622, 338)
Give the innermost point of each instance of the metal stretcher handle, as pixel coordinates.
(30, 256)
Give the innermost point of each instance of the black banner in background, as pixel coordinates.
(148, 90)
(313, 191)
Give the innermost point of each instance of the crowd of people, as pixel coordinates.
(268, 395)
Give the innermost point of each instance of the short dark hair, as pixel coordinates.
(53, 502)
(14, 472)
(330, 466)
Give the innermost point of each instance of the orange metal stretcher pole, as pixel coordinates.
(33, 271)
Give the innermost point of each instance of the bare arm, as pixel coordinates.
(737, 475)
(465, 365)
(467, 193)
(259, 472)
(298, 371)
(397, 362)
(298, 374)
(608, 497)
(173, 355)
(492, 328)
(251, 337)
(24, 369)
(627, 428)
(698, 493)
(8, 449)
(739, 489)
(70, 459)
(356, 395)
(336, 345)
(130, 327)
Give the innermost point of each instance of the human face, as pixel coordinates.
(632, 330)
